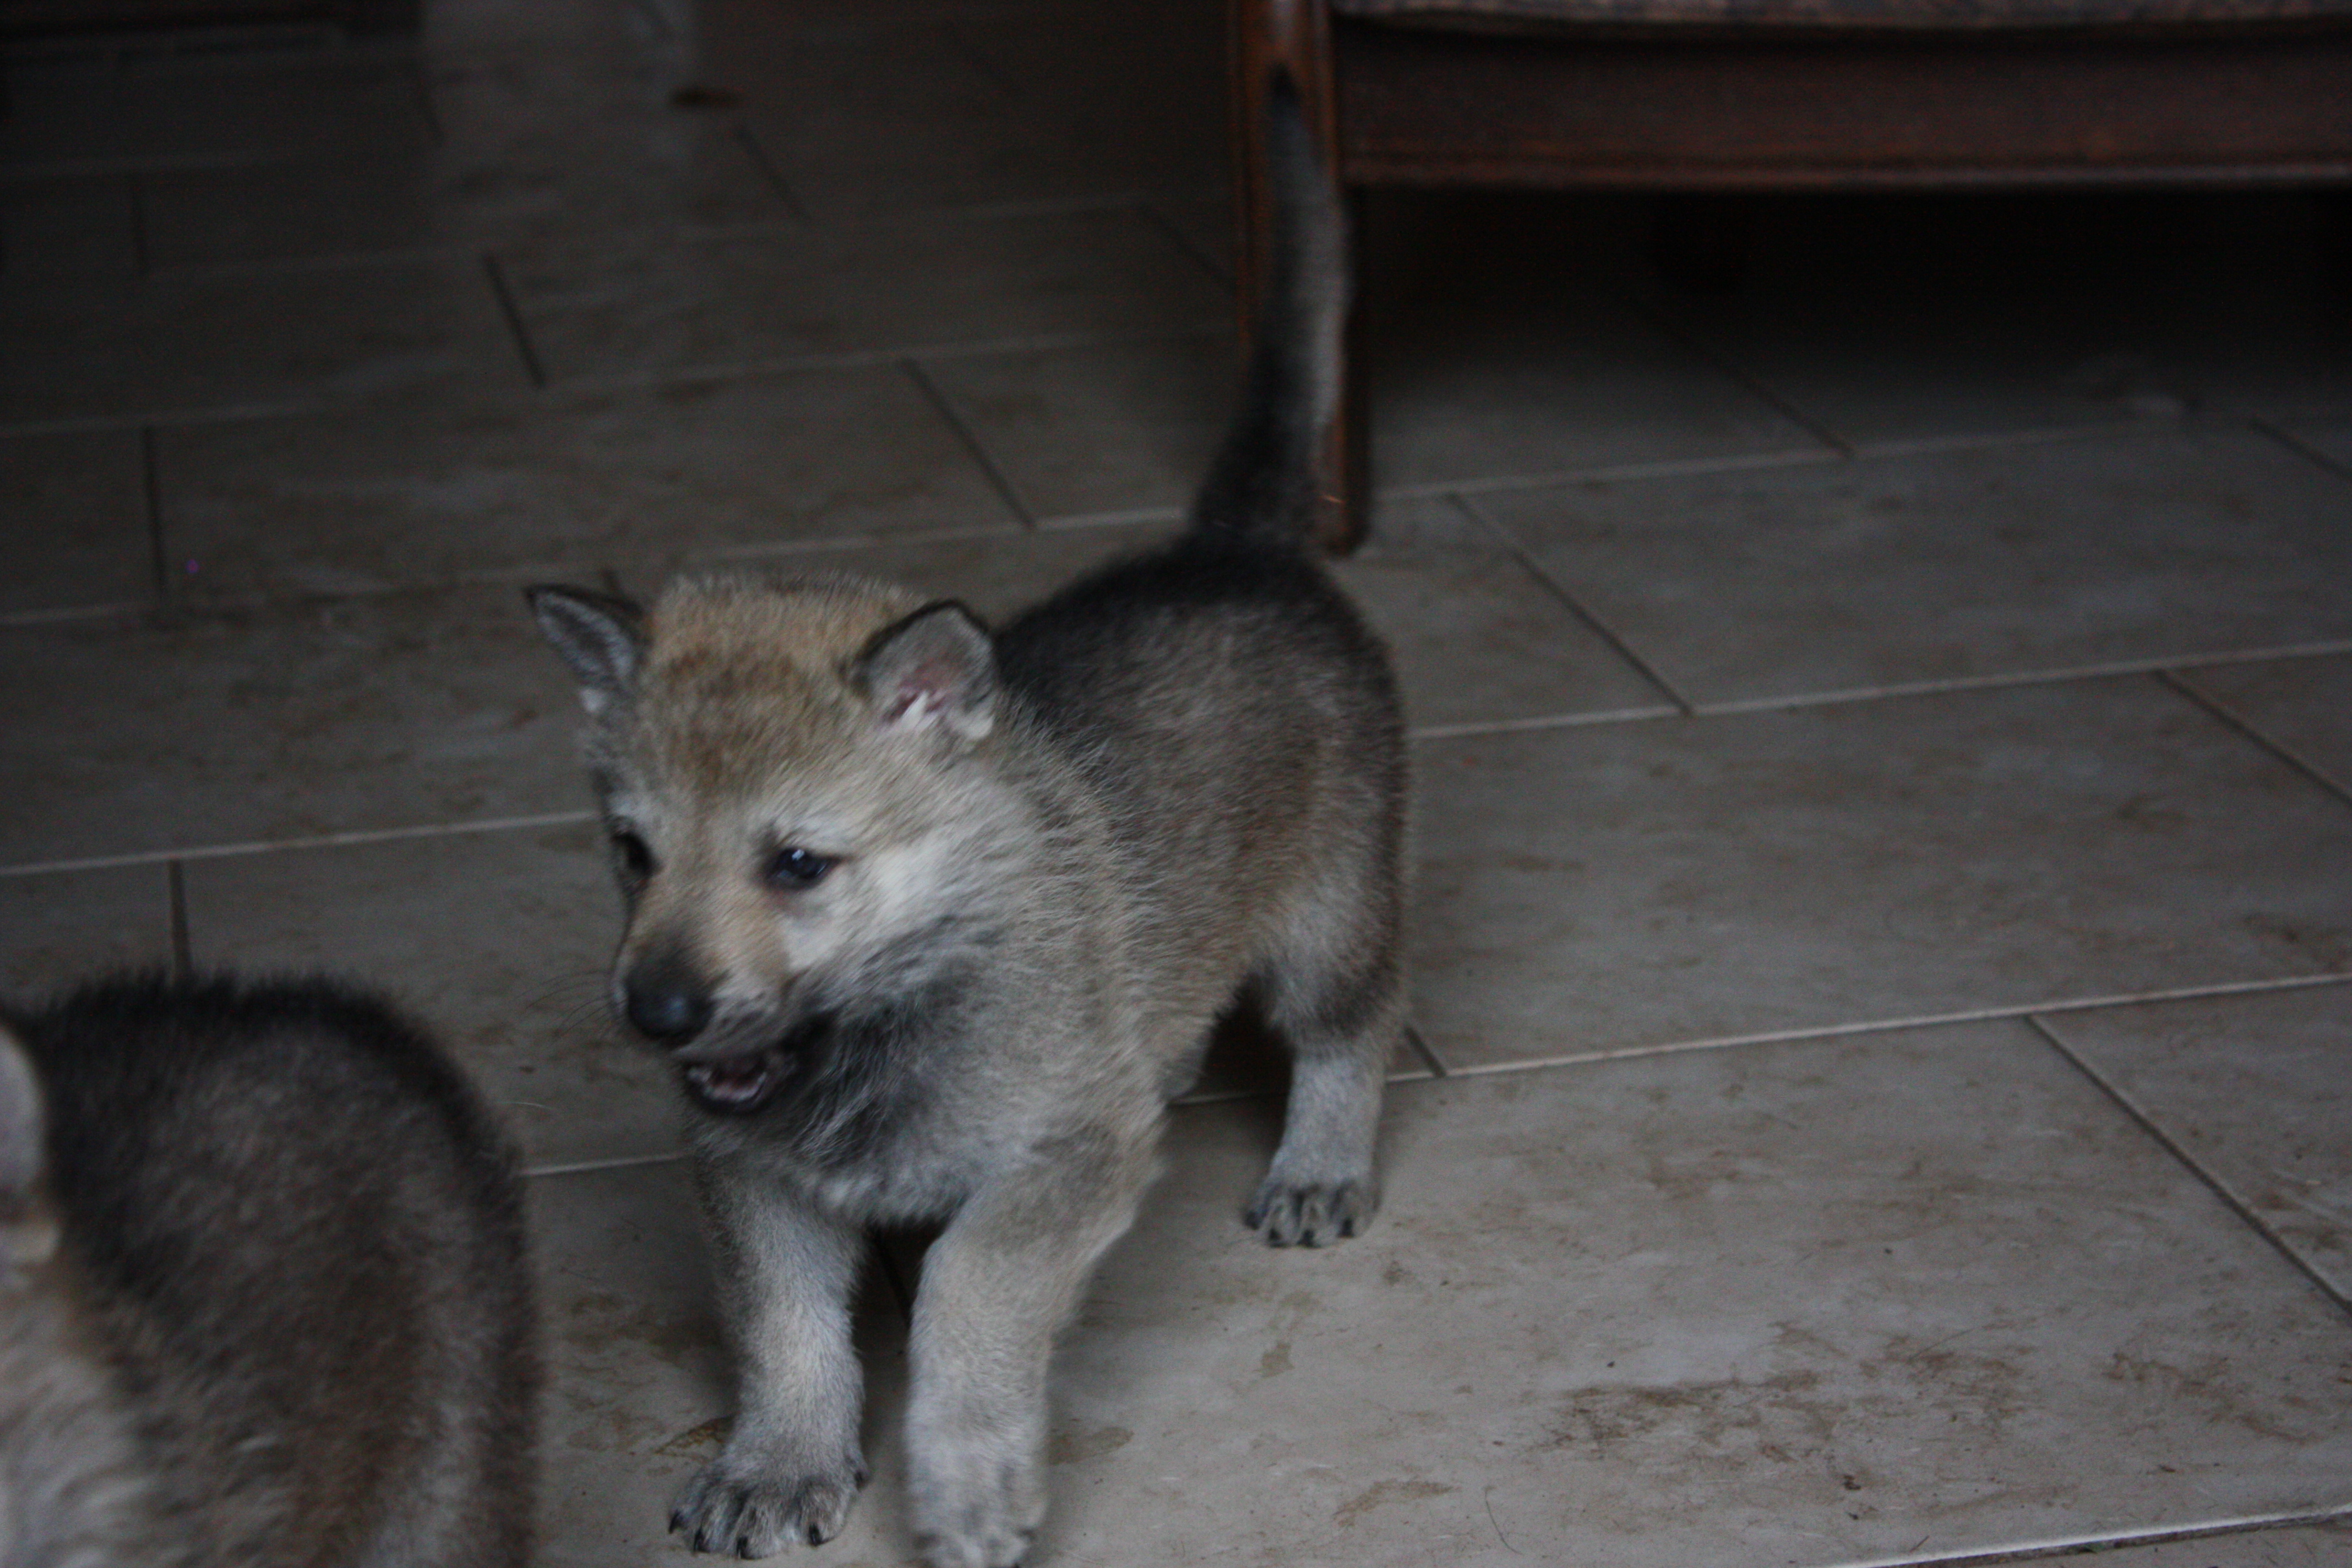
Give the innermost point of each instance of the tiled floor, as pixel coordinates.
(1884, 738)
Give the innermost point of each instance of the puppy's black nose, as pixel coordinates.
(665, 1003)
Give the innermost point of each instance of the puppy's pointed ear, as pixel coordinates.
(601, 638)
(28, 1231)
(935, 669)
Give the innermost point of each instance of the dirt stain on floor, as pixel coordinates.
(1381, 1492)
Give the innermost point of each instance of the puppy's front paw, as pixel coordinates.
(974, 1508)
(743, 1512)
(1307, 1213)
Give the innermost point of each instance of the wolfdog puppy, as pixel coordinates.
(263, 1301)
(933, 920)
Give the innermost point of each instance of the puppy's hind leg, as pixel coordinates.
(1342, 1018)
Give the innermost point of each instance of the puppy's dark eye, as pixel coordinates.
(636, 859)
(795, 868)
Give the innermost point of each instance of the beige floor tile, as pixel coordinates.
(1646, 884)
(1152, 99)
(192, 345)
(424, 491)
(1902, 318)
(500, 942)
(473, 29)
(1476, 638)
(1098, 430)
(692, 172)
(1511, 390)
(76, 513)
(1770, 1305)
(904, 285)
(1958, 374)
(1206, 223)
(2302, 705)
(62, 926)
(1954, 565)
(2331, 439)
(57, 230)
(866, 116)
(224, 727)
(2257, 1090)
(81, 112)
(638, 1382)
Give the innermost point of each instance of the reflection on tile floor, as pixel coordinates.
(1885, 741)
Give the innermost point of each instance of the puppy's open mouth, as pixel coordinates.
(735, 1085)
(740, 1082)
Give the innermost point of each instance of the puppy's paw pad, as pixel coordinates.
(979, 1549)
(973, 1509)
(722, 1510)
(1310, 1214)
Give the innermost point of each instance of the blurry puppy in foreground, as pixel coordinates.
(934, 920)
(263, 1299)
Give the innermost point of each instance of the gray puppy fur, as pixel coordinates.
(934, 921)
(263, 1299)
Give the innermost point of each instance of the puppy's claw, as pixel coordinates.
(726, 1513)
(1310, 1214)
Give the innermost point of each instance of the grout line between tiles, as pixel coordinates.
(150, 493)
(513, 313)
(2189, 1161)
(1993, 440)
(66, 615)
(317, 841)
(222, 413)
(1474, 727)
(590, 1167)
(176, 899)
(655, 18)
(766, 548)
(2068, 1545)
(757, 151)
(2246, 727)
(590, 385)
(1084, 519)
(1611, 473)
(1176, 236)
(946, 409)
(1895, 1026)
(1544, 580)
(1421, 1049)
(2299, 446)
(2114, 671)
(142, 162)
(858, 359)
(1697, 344)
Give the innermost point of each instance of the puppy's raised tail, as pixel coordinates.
(1262, 488)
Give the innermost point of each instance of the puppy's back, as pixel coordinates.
(292, 1240)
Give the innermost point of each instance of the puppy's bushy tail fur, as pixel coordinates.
(1261, 490)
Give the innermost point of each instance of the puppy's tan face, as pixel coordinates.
(775, 766)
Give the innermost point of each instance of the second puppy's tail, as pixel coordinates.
(1262, 488)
